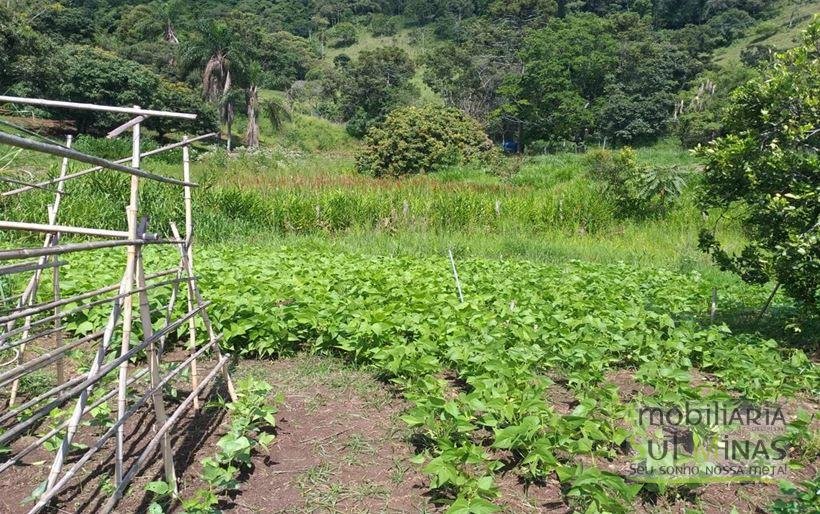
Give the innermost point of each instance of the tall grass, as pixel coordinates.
(548, 210)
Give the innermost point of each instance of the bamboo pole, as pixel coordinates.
(23, 183)
(37, 309)
(31, 289)
(189, 223)
(48, 435)
(22, 253)
(193, 291)
(153, 366)
(45, 359)
(58, 319)
(37, 399)
(29, 266)
(96, 365)
(137, 111)
(83, 389)
(21, 142)
(118, 161)
(90, 305)
(125, 126)
(152, 445)
(50, 228)
(130, 267)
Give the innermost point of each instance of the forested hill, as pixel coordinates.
(539, 72)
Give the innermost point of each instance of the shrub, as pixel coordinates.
(343, 35)
(382, 25)
(767, 164)
(422, 140)
(637, 190)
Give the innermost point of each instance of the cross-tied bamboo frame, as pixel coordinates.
(45, 318)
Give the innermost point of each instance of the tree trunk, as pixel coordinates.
(252, 134)
(229, 121)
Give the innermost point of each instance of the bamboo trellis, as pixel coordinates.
(32, 317)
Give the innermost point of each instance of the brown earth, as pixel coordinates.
(341, 447)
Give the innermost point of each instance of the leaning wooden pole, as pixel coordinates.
(193, 291)
(31, 291)
(153, 365)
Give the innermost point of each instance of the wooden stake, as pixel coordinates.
(455, 275)
(58, 320)
(193, 291)
(768, 303)
(713, 306)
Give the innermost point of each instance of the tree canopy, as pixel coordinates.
(768, 163)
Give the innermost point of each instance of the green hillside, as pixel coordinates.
(781, 32)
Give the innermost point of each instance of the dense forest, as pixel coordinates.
(536, 73)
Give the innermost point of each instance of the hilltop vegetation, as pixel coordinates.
(541, 72)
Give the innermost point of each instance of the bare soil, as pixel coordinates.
(341, 447)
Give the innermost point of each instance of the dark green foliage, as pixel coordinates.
(607, 69)
(700, 114)
(86, 74)
(587, 75)
(382, 25)
(756, 55)
(768, 163)
(375, 84)
(65, 24)
(422, 140)
(798, 499)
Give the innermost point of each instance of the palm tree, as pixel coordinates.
(254, 77)
(276, 111)
(213, 52)
(169, 11)
(227, 112)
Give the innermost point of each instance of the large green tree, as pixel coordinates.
(375, 84)
(768, 164)
(586, 75)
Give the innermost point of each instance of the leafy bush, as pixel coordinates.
(638, 190)
(422, 140)
(342, 35)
